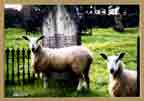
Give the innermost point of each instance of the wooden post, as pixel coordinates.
(138, 66)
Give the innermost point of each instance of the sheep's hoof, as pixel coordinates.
(83, 90)
(84, 85)
(78, 88)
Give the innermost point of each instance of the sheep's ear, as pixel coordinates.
(40, 38)
(121, 56)
(26, 38)
(103, 55)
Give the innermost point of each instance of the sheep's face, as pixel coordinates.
(33, 42)
(113, 62)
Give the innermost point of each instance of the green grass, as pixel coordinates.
(13, 38)
(102, 40)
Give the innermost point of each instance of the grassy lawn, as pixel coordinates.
(102, 40)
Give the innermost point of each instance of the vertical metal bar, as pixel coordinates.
(23, 59)
(7, 65)
(28, 54)
(33, 77)
(13, 53)
(18, 63)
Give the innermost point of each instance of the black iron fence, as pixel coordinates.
(17, 67)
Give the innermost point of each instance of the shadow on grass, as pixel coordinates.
(56, 88)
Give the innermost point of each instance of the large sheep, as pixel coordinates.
(74, 59)
(122, 82)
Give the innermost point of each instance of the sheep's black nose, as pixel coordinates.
(111, 71)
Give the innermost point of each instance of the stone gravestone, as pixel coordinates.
(118, 23)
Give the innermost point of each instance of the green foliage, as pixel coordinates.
(102, 40)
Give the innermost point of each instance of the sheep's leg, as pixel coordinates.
(86, 73)
(81, 83)
(87, 81)
(77, 71)
(45, 78)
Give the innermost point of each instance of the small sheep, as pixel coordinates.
(74, 59)
(122, 82)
